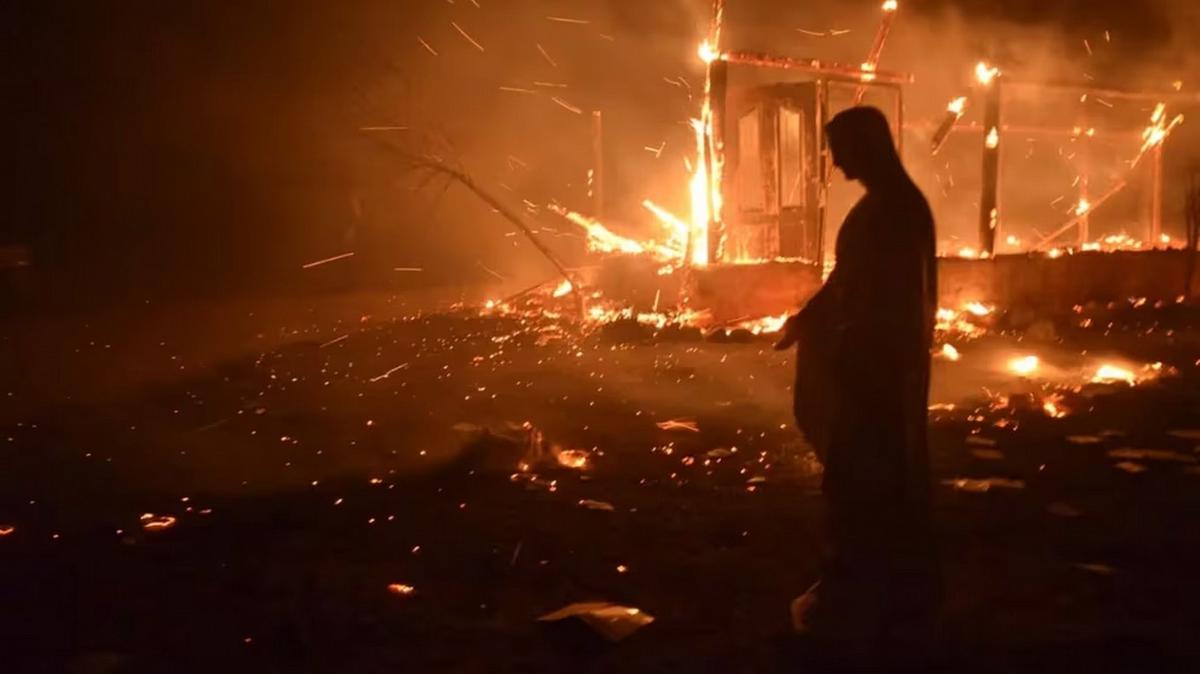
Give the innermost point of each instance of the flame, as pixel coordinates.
(959, 321)
(707, 52)
(1157, 131)
(1024, 366)
(1053, 408)
(601, 239)
(950, 353)
(868, 72)
(978, 308)
(699, 189)
(563, 289)
(993, 138)
(957, 106)
(676, 228)
(890, 5)
(986, 73)
(1083, 207)
(765, 325)
(1108, 374)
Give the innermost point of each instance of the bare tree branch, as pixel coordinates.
(436, 165)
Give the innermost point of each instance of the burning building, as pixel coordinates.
(764, 205)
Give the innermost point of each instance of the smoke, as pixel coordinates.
(217, 147)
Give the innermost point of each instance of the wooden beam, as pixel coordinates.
(829, 69)
(1102, 92)
(989, 198)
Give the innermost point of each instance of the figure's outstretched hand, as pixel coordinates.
(790, 334)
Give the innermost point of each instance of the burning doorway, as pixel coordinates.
(778, 171)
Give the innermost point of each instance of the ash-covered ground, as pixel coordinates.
(248, 488)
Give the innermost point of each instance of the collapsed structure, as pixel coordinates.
(764, 205)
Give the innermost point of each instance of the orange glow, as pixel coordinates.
(7, 529)
(699, 190)
(765, 325)
(572, 458)
(1053, 407)
(1024, 366)
(1110, 374)
(563, 289)
(1157, 131)
(401, 589)
(985, 73)
(152, 522)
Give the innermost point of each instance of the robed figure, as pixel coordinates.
(862, 385)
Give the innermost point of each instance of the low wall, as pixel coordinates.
(1038, 282)
(1028, 282)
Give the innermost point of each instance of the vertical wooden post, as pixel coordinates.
(989, 198)
(824, 167)
(1156, 195)
(597, 165)
(1085, 166)
(718, 86)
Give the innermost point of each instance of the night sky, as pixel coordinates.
(202, 148)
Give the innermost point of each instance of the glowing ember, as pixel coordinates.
(7, 529)
(572, 458)
(957, 106)
(401, 589)
(1110, 374)
(152, 522)
(1024, 366)
(679, 425)
(961, 322)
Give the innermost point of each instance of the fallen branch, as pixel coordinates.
(437, 166)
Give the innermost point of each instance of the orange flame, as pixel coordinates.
(985, 73)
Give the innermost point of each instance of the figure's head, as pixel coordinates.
(860, 140)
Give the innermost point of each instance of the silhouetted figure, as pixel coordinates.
(862, 391)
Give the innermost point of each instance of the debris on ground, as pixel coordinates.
(612, 621)
(981, 485)
(1151, 455)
